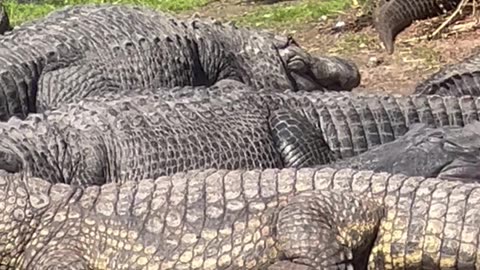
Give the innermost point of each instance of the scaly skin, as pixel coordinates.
(218, 219)
(352, 123)
(392, 17)
(144, 136)
(78, 51)
(458, 79)
(424, 151)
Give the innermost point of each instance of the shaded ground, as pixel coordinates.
(412, 61)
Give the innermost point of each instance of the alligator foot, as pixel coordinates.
(313, 231)
(298, 141)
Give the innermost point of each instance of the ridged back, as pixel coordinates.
(353, 123)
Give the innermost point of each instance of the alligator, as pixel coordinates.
(79, 49)
(4, 21)
(242, 219)
(424, 151)
(392, 17)
(144, 136)
(462, 78)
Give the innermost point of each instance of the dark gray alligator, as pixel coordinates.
(393, 16)
(143, 136)
(137, 137)
(78, 51)
(259, 219)
(4, 21)
(447, 152)
(458, 79)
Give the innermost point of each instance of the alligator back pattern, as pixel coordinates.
(352, 123)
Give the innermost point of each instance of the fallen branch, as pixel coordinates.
(449, 19)
(455, 29)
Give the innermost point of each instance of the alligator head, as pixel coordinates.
(310, 72)
(466, 165)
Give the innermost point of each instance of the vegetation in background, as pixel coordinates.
(19, 13)
(261, 16)
(303, 12)
(352, 43)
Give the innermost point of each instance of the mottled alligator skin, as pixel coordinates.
(459, 79)
(76, 50)
(424, 151)
(144, 136)
(392, 17)
(257, 219)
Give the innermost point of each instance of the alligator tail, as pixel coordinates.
(395, 15)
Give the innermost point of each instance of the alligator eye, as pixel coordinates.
(297, 64)
(436, 137)
(451, 146)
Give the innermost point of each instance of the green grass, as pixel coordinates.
(263, 16)
(19, 13)
(353, 42)
(307, 11)
(429, 57)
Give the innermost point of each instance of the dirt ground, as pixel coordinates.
(413, 60)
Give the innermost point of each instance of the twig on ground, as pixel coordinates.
(456, 29)
(449, 19)
(474, 7)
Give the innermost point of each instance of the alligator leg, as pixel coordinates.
(298, 141)
(312, 230)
